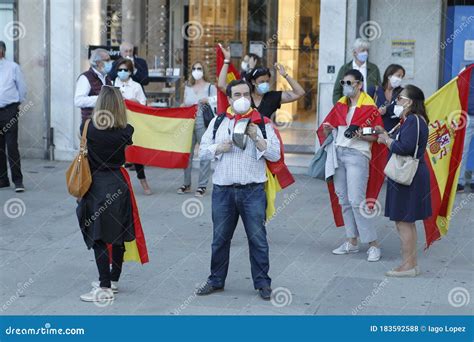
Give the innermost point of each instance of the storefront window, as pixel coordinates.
(278, 31)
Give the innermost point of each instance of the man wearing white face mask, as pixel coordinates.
(90, 83)
(370, 71)
(238, 191)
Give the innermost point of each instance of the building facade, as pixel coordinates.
(50, 39)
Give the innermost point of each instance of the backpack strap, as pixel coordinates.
(217, 123)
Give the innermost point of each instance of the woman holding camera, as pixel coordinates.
(356, 159)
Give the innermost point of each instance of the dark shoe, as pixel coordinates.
(19, 187)
(472, 186)
(265, 293)
(460, 188)
(207, 289)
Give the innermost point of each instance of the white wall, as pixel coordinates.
(407, 19)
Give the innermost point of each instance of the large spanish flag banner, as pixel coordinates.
(162, 136)
(447, 112)
(232, 74)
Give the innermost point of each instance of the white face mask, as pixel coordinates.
(398, 110)
(244, 66)
(241, 105)
(197, 74)
(395, 81)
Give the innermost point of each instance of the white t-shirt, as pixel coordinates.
(363, 71)
(360, 145)
(131, 90)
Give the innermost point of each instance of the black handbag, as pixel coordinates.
(207, 111)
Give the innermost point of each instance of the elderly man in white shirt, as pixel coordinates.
(239, 178)
(12, 93)
(90, 83)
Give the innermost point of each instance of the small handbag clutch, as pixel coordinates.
(78, 175)
(402, 169)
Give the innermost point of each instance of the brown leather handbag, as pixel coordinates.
(78, 175)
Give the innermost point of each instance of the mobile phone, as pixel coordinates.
(368, 131)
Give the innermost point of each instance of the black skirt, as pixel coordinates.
(105, 212)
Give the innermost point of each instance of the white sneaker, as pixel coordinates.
(346, 248)
(113, 286)
(374, 253)
(98, 295)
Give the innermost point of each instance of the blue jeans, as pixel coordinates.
(228, 203)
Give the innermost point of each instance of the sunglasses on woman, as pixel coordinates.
(122, 69)
(197, 68)
(348, 82)
(399, 97)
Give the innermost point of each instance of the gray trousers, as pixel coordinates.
(350, 183)
(204, 165)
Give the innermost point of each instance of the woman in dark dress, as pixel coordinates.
(266, 101)
(386, 95)
(105, 212)
(407, 204)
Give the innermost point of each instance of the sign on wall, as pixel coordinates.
(403, 53)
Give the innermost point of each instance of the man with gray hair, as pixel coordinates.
(12, 93)
(90, 83)
(140, 67)
(370, 71)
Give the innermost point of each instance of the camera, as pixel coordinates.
(368, 131)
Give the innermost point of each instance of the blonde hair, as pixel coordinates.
(191, 80)
(109, 111)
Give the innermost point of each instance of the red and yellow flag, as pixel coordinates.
(447, 112)
(162, 136)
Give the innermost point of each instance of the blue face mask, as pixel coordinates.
(362, 56)
(264, 87)
(123, 75)
(107, 66)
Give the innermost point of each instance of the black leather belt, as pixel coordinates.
(241, 186)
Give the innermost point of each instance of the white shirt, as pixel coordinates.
(131, 90)
(363, 71)
(355, 143)
(83, 87)
(238, 166)
(12, 83)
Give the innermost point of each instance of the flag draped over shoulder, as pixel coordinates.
(447, 112)
(366, 115)
(278, 175)
(232, 74)
(162, 136)
(134, 250)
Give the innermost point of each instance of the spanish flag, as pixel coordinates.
(447, 112)
(162, 136)
(232, 74)
(366, 115)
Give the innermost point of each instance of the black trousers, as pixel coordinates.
(106, 275)
(9, 145)
(140, 169)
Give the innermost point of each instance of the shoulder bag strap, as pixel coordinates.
(418, 135)
(83, 146)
